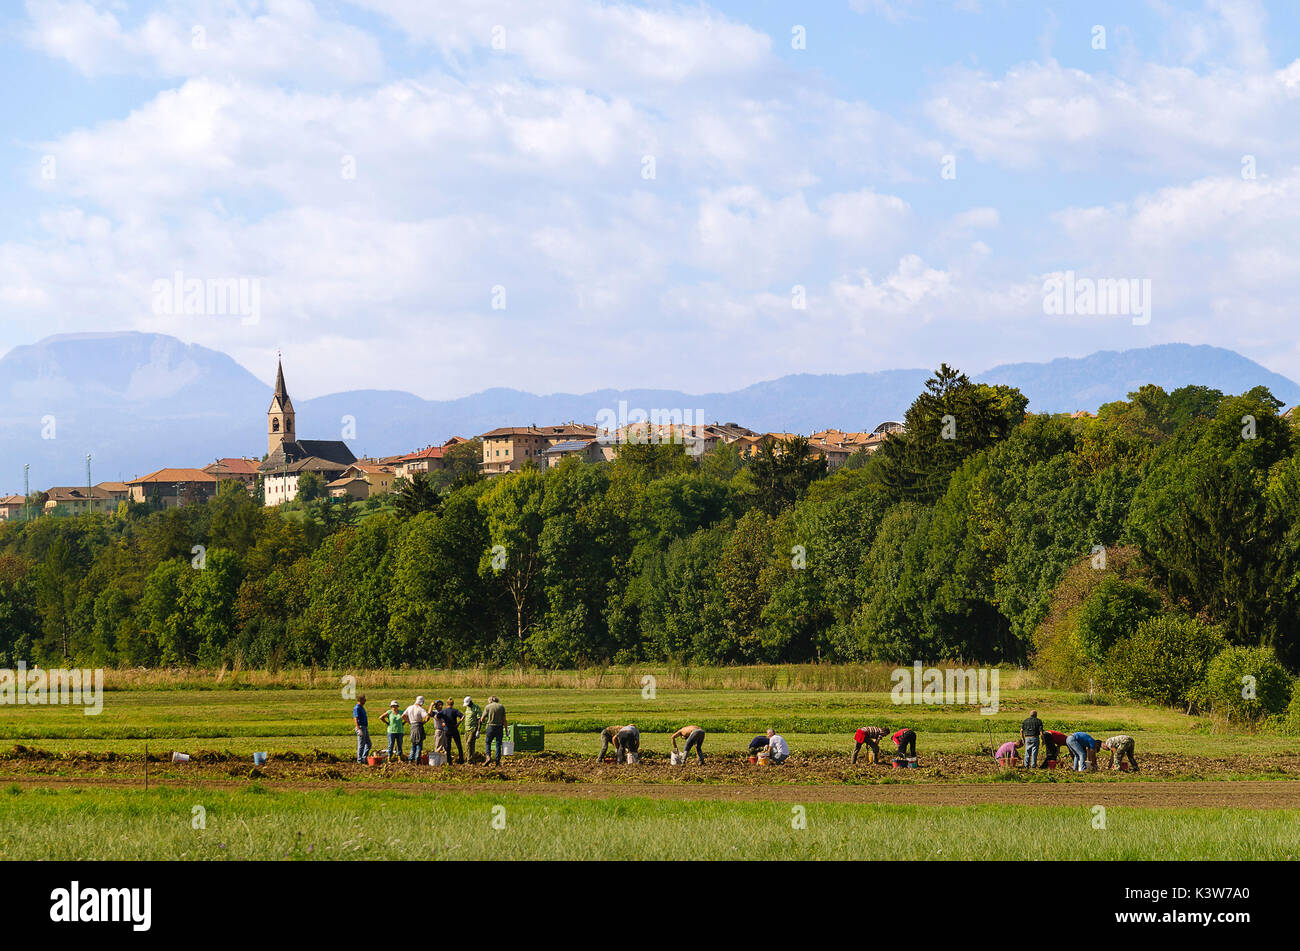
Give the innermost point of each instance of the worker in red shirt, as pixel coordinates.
(871, 736)
(1053, 740)
(905, 740)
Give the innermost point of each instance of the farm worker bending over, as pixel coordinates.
(494, 728)
(1053, 740)
(625, 739)
(473, 722)
(870, 735)
(363, 728)
(777, 750)
(1084, 748)
(393, 718)
(757, 745)
(905, 740)
(1119, 747)
(1030, 731)
(694, 737)
(1006, 754)
(415, 715)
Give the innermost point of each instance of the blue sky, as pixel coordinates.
(443, 197)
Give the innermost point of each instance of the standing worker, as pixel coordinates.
(393, 717)
(473, 723)
(494, 728)
(1030, 731)
(440, 744)
(452, 716)
(871, 736)
(416, 715)
(1084, 748)
(905, 740)
(694, 736)
(362, 723)
(1120, 746)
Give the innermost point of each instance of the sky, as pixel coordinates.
(442, 196)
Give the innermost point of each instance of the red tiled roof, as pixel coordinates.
(175, 475)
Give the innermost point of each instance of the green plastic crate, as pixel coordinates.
(527, 738)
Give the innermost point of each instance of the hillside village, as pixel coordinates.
(277, 475)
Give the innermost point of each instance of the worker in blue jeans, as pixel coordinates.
(1083, 747)
(494, 728)
(1030, 731)
(362, 724)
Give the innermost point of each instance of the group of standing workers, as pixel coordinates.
(1082, 746)
(446, 721)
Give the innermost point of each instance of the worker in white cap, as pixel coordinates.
(393, 717)
(473, 723)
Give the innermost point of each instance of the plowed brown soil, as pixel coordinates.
(1165, 781)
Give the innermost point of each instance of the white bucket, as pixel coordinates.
(437, 759)
(507, 748)
(259, 759)
(633, 758)
(180, 757)
(677, 759)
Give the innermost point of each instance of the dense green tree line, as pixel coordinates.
(956, 539)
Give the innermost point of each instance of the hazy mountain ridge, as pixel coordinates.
(138, 402)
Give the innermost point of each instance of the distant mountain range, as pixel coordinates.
(137, 402)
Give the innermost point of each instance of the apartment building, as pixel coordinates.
(510, 448)
(173, 487)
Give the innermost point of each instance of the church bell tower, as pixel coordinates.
(279, 418)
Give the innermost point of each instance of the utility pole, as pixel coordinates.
(27, 493)
(90, 497)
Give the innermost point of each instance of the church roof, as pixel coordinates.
(292, 455)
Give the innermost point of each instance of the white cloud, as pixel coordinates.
(274, 38)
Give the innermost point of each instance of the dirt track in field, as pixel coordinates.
(1165, 781)
(1214, 794)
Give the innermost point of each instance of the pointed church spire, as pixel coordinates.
(281, 393)
(279, 418)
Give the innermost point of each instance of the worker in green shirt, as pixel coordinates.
(473, 722)
(395, 729)
(494, 727)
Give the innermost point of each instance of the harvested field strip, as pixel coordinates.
(731, 769)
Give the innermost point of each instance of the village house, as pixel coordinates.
(235, 469)
(173, 487)
(78, 499)
(426, 460)
(510, 448)
(588, 449)
(361, 480)
(11, 507)
(117, 491)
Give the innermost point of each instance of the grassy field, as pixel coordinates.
(294, 714)
(84, 801)
(259, 824)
